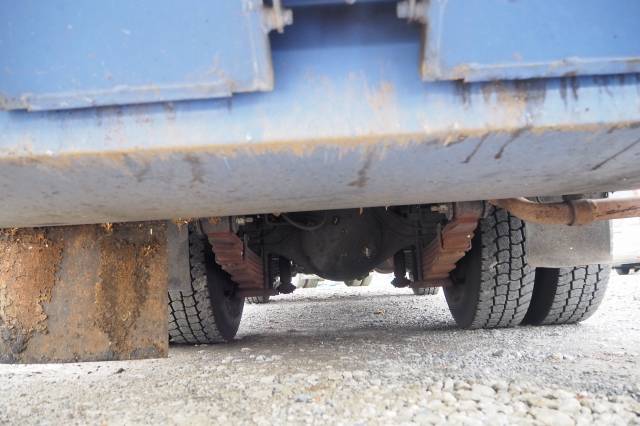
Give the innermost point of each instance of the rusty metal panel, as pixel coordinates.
(83, 293)
(489, 40)
(63, 54)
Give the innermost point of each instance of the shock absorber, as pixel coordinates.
(400, 270)
(284, 268)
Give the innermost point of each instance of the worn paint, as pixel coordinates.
(581, 37)
(340, 104)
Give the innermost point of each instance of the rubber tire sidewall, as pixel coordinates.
(462, 298)
(226, 311)
(544, 292)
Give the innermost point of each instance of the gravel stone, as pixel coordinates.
(408, 366)
(479, 391)
(552, 417)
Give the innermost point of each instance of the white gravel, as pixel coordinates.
(372, 355)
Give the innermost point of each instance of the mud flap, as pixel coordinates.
(558, 246)
(83, 293)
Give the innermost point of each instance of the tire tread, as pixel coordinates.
(577, 295)
(191, 317)
(507, 279)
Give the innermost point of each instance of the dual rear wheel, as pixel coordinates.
(494, 286)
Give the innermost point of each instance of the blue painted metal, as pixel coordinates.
(487, 40)
(349, 124)
(72, 54)
(294, 3)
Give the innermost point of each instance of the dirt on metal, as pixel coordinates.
(83, 293)
(28, 266)
(123, 286)
(571, 212)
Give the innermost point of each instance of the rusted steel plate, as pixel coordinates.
(83, 293)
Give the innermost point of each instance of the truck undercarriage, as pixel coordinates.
(350, 141)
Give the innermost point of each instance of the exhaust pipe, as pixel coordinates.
(572, 212)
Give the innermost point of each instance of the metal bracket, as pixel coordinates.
(179, 269)
(412, 10)
(276, 18)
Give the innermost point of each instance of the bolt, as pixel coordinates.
(413, 10)
(277, 18)
(440, 208)
(241, 221)
(287, 17)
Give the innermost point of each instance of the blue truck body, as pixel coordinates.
(163, 161)
(126, 111)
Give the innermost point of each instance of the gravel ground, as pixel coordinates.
(373, 355)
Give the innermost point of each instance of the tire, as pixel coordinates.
(492, 283)
(429, 291)
(623, 270)
(567, 295)
(627, 268)
(208, 312)
(257, 299)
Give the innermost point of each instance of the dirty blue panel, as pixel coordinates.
(350, 125)
(474, 40)
(63, 54)
(295, 3)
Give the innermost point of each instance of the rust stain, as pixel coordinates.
(139, 169)
(29, 260)
(461, 72)
(197, 169)
(308, 147)
(514, 136)
(124, 283)
(617, 154)
(566, 85)
(464, 91)
(382, 96)
(476, 149)
(454, 139)
(362, 178)
(83, 293)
